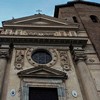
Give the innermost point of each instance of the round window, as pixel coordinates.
(41, 56)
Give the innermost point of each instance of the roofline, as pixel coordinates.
(32, 17)
(71, 3)
(53, 27)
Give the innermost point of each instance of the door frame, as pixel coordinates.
(44, 83)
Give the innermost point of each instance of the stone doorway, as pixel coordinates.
(38, 93)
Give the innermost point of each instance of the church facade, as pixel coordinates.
(43, 57)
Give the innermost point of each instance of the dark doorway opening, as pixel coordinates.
(36, 93)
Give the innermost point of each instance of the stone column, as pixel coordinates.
(85, 75)
(4, 53)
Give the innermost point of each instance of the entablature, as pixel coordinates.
(76, 41)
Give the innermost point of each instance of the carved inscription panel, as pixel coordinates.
(38, 33)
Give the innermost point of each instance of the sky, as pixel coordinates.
(22, 8)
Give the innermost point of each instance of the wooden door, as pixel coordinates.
(43, 93)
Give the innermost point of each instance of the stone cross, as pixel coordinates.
(78, 0)
(39, 11)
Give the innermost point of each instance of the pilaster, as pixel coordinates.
(4, 54)
(84, 74)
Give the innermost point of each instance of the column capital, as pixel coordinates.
(4, 53)
(78, 54)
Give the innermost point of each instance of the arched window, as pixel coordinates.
(75, 19)
(94, 18)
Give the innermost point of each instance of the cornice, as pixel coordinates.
(50, 73)
(56, 21)
(78, 54)
(43, 26)
(4, 53)
(78, 41)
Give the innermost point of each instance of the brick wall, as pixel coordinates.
(83, 12)
(93, 29)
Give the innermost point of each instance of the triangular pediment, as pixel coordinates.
(42, 72)
(37, 20)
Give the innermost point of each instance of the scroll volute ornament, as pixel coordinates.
(19, 59)
(64, 60)
(4, 53)
(78, 54)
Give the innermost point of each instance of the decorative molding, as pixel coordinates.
(19, 58)
(51, 63)
(42, 72)
(41, 17)
(65, 64)
(78, 54)
(8, 32)
(4, 53)
(40, 22)
(73, 33)
(91, 60)
(35, 33)
(41, 33)
(63, 41)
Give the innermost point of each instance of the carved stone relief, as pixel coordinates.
(4, 53)
(19, 58)
(64, 60)
(92, 59)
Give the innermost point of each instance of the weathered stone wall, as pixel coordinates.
(17, 84)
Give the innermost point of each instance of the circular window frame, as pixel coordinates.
(45, 52)
(52, 52)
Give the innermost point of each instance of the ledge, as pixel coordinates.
(63, 41)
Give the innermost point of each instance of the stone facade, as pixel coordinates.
(82, 10)
(40, 51)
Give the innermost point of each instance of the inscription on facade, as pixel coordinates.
(38, 33)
